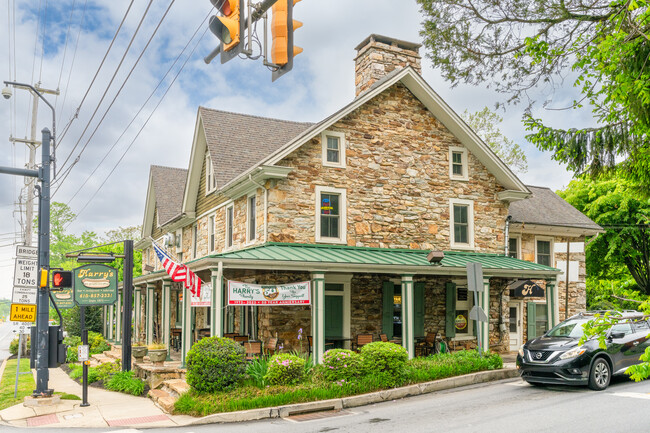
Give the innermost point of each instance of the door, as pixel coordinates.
(334, 317)
(515, 325)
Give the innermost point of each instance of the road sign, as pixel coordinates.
(24, 295)
(83, 352)
(23, 313)
(25, 272)
(27, 252)
(21, 327)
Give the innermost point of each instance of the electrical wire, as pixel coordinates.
(138, 134)
(162, 80)
(107, 87)
(65, 51)
(38, 27)
(40, 73)
(76, 114)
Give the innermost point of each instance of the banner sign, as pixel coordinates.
(64, 298)
(204, 299)
(95, 285)
(281, 294)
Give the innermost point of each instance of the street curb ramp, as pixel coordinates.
(358, 400)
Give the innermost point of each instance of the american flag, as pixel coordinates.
(179, 272)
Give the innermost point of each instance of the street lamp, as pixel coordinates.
(42, 302)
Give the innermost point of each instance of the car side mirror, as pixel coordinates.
(614, 335)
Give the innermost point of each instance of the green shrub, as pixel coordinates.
(215, 364)
(93, 375)
(386, 361)
(72, 340)
(285, 369)
(124, 381)
(341, 365)
(256, 370)
(107, 369)
(72, 354)
(76, 372)
(450, 364)
(13, 346)
(97, 343)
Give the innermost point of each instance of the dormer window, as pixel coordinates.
(458, 163)
(210, 180)
(333, 144)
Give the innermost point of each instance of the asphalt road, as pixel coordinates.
(504, 406)
(6, 335)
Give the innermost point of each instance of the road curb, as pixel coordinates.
(358, 400)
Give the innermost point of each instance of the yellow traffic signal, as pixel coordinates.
(42, 277)
(228, 27)
(283, 49)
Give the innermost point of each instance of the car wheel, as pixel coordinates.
(600, 375)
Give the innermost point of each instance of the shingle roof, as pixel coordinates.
(547, 208)
(168, 187)
(237, 142)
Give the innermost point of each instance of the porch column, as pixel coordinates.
(137, 312)
(186, 325)
(318, 316)
(216, 302)
(149, 313)
(552, 303)
(104, 320)
(484, 303)
(407, 315)
(118, 319)
(111, 315)
(166, 315)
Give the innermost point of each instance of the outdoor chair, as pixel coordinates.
(253, 349)
(426, 346)
(362, 340)
(230, 335)
(271, 345)
(383, 337)
(240, 338)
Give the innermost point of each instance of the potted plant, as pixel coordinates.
(157, 353)
(139, 350)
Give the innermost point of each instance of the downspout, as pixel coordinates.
(266, 205)
(506, 231)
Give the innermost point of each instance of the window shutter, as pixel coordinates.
(418, 310)
(450, 313)
(387, 310)
(532, 319)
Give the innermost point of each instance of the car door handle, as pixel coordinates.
(636, 343)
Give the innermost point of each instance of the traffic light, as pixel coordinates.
(229, 27)
(42, 278)
(61, 279)
(282, 27)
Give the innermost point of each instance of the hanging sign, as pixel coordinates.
(95, 284)
(204, 299)
(64, 298)
(526, 289)
(280, 294)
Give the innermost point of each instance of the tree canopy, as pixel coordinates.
(514, 46)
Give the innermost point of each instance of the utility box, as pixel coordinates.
(57, 351)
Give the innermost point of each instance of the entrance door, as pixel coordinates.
(515, 325)
(334, 318)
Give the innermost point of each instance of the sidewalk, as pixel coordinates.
(107, 409)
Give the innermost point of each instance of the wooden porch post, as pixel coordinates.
(149, 313)
(318, 316)
(484, 303)
(552, 304)
(111, 315)
(137, 312)
(408, 334)
(118, 319)
(216, 302)
(187, 326)
(166, 315)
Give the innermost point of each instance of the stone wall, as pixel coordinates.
(397, 182)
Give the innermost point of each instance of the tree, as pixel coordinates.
(484, 123)
(515, 46)
(611, 202)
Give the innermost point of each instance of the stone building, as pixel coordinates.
(353, 205)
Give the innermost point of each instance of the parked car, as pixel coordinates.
(557, 357)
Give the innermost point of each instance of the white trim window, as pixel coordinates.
(463, 324)
(544, 251)
(251, 218)
(514, 247)
(210, 179)
(458, 167)
(331, 224)
(179, 244)
(230, 220)
(333, 148)
(211, 234)
(461, 224)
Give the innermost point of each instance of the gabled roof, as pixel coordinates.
(544, 207)
(168, 185)
(237, 141)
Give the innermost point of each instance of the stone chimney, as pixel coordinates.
(377, 56)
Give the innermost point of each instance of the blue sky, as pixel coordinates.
(321, 82)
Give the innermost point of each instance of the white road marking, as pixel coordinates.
(641, 395)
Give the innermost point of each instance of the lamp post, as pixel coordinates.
(42, 301)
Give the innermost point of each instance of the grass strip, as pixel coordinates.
(26, 384)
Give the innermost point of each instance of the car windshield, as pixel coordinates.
(571, 328)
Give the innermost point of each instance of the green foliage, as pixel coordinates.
(97, 343)
(341, 365)
(443, 365)
(126, 382)
(485, 124)
(285, 369)
(72, 354)
(384, 360)
(105, 370)
(215, 364)
(13, 345)
(26, 383)
(641, 371)
(256, 370)
(76, 372)
(72, 320)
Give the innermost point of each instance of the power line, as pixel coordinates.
(40, 73)
(65, 51)
(108, 152)
(65, 129)
(138, 134)
(107, 87)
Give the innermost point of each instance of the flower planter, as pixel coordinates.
(158, 356)
(139, 352)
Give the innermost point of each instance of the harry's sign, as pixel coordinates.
(95, 285)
